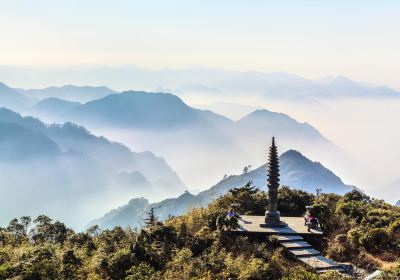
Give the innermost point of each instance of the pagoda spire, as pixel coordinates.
(272, 216)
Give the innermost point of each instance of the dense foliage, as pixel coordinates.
(198, 245)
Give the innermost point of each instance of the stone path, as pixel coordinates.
(304, 252)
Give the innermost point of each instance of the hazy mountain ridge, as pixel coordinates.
(136, 109)
(52, 107)
(69, 92)
(166, 125)
(264, 121)
(70, 164)
(19, 143)
(71, 137)
(279, 85)
(205, 81)
(297, 171)
(14, 100)
(163, 123)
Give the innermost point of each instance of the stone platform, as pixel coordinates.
(291, 238)
(295, 226)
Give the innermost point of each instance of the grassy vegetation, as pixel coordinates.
(196, 245)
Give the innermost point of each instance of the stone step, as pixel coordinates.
(296, 245)
(319, 263)
(289, 238)
(305, 252)
(338, 269)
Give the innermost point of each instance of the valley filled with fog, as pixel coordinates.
(366, 130)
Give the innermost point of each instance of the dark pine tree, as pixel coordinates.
(151, 218)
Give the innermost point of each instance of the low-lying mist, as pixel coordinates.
(367, 130)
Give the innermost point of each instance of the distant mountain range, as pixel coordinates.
(297, 171)
(199, 80)
(69, 92)
(163, 123)
(51, 167)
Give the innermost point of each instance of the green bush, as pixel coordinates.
(376, 240)
(394, 230)
(354, 210)
(142, 271)
(292, 202)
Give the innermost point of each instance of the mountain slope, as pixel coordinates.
(296, 171)
(49, 167)
(17, 142)
(279, 124)
(52, 108)
(12, 99)
(163, 123)
(136, 110)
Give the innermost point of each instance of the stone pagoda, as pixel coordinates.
(272, 215)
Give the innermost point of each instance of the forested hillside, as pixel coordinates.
(199, 245)
(297, 171)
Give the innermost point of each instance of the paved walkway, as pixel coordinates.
(304, 252)
(290, 238)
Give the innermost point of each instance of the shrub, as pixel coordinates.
(300, 274)
(380, 218)
(394, 230)
(340, 249)
(393, 273)
(334, 275)
(142, 271)
(356, 195)
(293, 202)
(323, 212)
(376, 240)
(355, 210)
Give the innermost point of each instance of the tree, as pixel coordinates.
(17, 230)
(356, 195)
(46, 230)
(93, 230)
(293, 202)
(247, 200)
(248, 188)
(151, 219)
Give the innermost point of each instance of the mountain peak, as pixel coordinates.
(260, 113)
(135, 109)
(293, 154)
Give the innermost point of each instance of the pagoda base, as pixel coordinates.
(273, 220)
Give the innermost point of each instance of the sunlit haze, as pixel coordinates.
(313, 39)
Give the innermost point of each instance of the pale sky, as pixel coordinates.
(357, 39)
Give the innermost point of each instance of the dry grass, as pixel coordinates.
(384, 261)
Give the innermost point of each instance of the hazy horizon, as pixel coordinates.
(305, 38)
